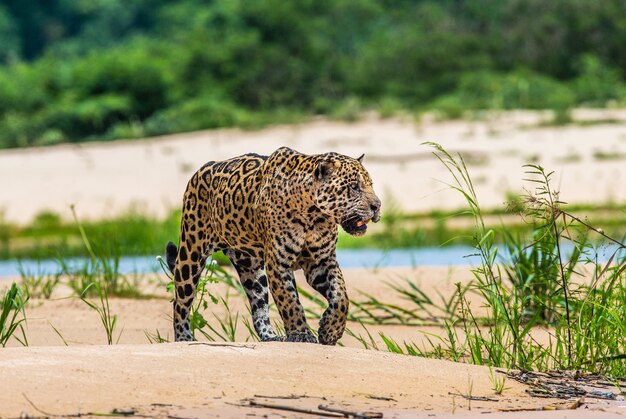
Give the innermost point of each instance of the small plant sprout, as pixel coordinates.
(497, 381)
(38, 284)
(102, 307)
(13, 315)
(155, 337)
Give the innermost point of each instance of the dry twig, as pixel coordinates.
(350, 413)
(255, 403)
(474, 398)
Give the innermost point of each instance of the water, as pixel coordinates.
(348, 258)
(429, 256)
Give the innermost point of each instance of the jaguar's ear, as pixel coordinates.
(360, 158)
(324, 169)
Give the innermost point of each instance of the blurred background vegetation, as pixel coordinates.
(77, 70)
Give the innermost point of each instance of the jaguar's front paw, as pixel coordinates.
(328, 336)
(306, 337)
(275, 339)
(184, 336)
(328, 340)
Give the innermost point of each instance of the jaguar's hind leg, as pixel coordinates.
(254, 281)
(190, 262)
(196, 244)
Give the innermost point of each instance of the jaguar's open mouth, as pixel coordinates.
(355, 226)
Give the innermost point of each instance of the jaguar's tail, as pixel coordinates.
(171, 251)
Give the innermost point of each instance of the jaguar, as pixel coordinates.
(272, 215)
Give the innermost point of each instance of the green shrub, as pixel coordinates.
(131, 72)
(519, 90)
(388, 107)
(450, 106)
(84, 118)
(202, 112)
(349, 109)
(597, 83)
(10, 46)
(46, 221)
(22, 88)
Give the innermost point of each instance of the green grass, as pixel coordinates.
(216, 328)
(541, 286)
(37, 283)
(132, 234)
(100, 274)
(608, 156)
(213, 328)
(444, 228)
(101, 266)
(102, 307)
(49, 236)
(13, 315)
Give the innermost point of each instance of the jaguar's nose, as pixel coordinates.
(375, 207)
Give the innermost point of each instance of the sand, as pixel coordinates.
(220, 379)
(80, 325)
(105, 179)
(192, 380)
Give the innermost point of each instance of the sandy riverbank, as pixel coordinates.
(103, 179)
(220, 379)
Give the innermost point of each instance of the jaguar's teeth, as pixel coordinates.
(361, 223)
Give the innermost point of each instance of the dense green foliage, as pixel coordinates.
(79, 70)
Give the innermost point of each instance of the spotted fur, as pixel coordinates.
(272, 215)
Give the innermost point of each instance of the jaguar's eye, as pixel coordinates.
(355, 187)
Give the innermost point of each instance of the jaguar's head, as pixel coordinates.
(344, 191)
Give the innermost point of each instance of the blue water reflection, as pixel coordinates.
(348, 258)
